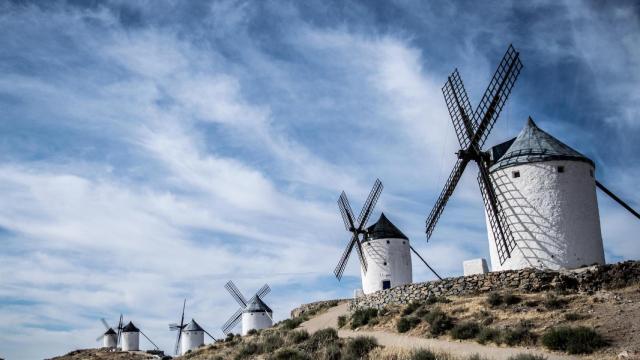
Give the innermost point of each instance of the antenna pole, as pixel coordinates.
(423, 260)
(617, 199)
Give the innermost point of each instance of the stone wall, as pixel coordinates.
(588, 279)
(315, 306)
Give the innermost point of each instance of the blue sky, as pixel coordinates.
(152, 150)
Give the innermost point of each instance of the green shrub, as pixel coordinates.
(342, 321)
(517, 336)
(439, 321)
(511, 299)
(577, 340)
(527, 357)
(407, 323)
(553, 302)
(289, 354)
(252, 332)
(246, 350)
(322, 338)
(229, 337)
(298, 336)
(329, 352)
(573, 316)
(361, 317)
(532, 303)
(423, 354)
(437, 299)
(360, 346)
(486, 335)
(494, 299)
(271, 341)
(409, 309)
(290, 324)
(465, 330)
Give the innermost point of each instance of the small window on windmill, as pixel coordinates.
(385, 263)
(560, 169)
(516, 174)
(388, 242)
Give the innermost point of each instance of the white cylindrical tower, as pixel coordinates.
(548, 194)
(109, 339)
(130, 338)
(257, 315)
(192, 337)
(388, 256)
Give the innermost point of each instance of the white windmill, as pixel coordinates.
(384, 251)
(131, 338)
(254, 313)
(110, 338)
(539, 194)
(190, 336)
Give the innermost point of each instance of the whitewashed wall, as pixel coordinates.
(553, 216)
(387, 259)
(130, 341)
(191, 340)
(255, 320)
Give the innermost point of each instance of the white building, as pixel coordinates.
(548, 193)
(130, 337)
(109, 339)
(257, 315)
(192, 337)
(388, 256)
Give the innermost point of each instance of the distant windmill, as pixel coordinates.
(472, 130)
(110, 338)
(131, 338)
(254, 313)
(384, 251)
(193, 336)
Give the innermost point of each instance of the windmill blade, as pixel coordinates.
(264, 290)
(236, 294)
(104, 322)
(342, 264)
(425, 262)
(177, 346)
(455, 96)
(211, 336)
(449, 186)
(181, 326)
(174, 327)
(99, 338)
(360, 251)
(346, 212)
(120, 325)
(232, 322)
(502, 235)
(368, 206)
(152, 343)
(617, 199)
(496, 95)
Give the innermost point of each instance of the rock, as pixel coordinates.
(623, 355)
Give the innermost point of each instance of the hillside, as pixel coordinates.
(589, 313)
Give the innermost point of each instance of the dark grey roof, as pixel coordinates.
(192, 326)
(257, 305)
(130, 328)
(532, 145)
(384, 229)
(110, 332)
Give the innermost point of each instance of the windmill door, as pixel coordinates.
(386, 284)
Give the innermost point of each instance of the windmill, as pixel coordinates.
(472, 130)
(110, 338)
(383, 250)
(193, 336)
(254, 313)
(131, 338)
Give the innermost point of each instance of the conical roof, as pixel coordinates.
(384, 229)
(257, 305)
(130, 328)
(192, 326)
(110, 332)
(532, 145)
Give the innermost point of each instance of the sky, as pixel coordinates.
(150, 151)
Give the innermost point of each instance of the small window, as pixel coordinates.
(385, 263)
(560, 169)
(516, 174)
(388, 242)
(403, 242)
(386, 284)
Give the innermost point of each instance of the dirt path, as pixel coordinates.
(463, 349)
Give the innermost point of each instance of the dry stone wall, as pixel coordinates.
(587, 279)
